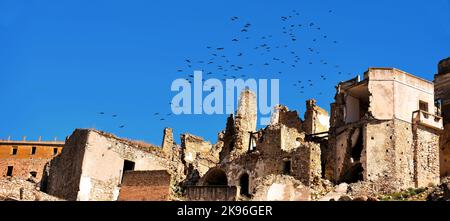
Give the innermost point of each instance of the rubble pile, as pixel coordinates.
(14, 189)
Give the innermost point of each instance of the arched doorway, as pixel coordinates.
(244, 184)
(216, 177)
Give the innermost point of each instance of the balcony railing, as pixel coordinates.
(428, 119)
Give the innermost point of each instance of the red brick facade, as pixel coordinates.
(25, 159)
(145, 186)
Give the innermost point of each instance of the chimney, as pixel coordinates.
(40, 138)
(24, 138)
(9, 138)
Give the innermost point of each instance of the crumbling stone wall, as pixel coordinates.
(200, 154)
(442, 88)
(386, 147)
(65, 170)
(426, 147)
(444, 152)
(245, 121)
(393, 155)
(168, 143)
(280, 149)
(280, 188)
(317, 120)
(226, 138)
(346, 144)
(281, 115)
(94, 166)
(17, 189)
(442, 94)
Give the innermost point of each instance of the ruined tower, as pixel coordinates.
(168, 142)
(245, 121)
(442, 96)
(442, 88)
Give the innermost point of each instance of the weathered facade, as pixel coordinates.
(27, 159)
(442, 96)
(92, 165)
(145, 186)
(280, 148)
(384, 129)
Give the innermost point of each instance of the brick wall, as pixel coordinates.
(145, 186)
(29, 157)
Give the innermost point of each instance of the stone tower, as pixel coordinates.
(442, 94)
(245, 121)
(442, 88)
(168, 142)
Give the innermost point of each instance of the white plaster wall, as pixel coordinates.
(381, 99)
(396, 94)
(103, 164)
(407, 100)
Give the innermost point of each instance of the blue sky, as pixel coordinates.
(63, 62)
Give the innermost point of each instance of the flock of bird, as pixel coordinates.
(112, 116)
(282, 53)
(160, 117)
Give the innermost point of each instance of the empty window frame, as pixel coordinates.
(14, 151)
(9, 171)
(287, 167)
(423, 106)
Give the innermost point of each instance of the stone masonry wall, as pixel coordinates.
(427, 157)
(395, 154)
(65, 170)
(202, 155)
(16, 189)
(98, 176)
(444, 152)
(245, 121)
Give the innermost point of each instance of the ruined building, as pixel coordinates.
(385, 129)
(442, 96)
(27, 159)
(94, 164)
(247, 154)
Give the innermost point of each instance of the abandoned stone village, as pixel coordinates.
(387, 134)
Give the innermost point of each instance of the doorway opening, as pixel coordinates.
(244, 183)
